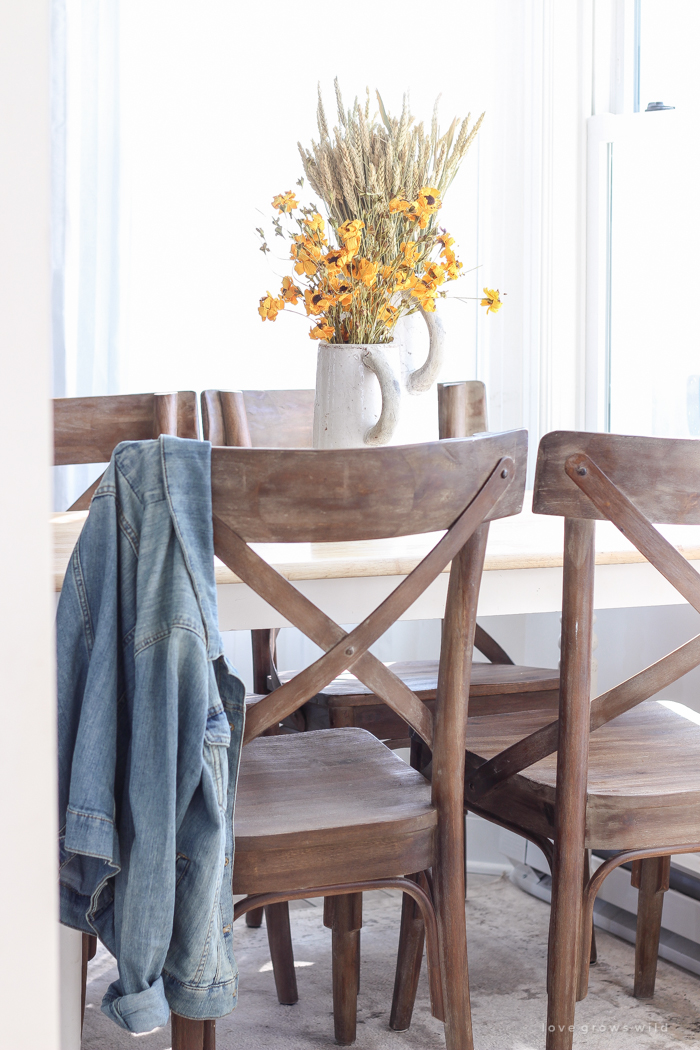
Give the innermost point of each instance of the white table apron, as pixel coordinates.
(503, 592)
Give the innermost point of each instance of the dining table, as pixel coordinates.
(522, 571)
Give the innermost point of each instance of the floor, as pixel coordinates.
(507, 950)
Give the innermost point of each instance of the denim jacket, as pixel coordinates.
(150, 726)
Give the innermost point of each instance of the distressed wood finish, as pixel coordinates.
(348, 651)
(317, 626)
(659, 475)
(626, 774)
(303, 796)
(462, 409)
(259, 418)
(192, 1035)
(338, 807)
(651, 877)
(572, 773)
(410, 955)
(377, 705)
(279, 937)
(87, 429)
(344, 491)
(448, 782)
(343, 915)
(643, 776)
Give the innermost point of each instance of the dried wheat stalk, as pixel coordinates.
(370, 159)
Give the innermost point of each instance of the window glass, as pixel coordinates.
(654, 264)
(668, 72)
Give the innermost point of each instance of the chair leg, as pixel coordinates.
(279, 936)
(89, 950)
(563, 962)
(343, 914)
(254, 918)
(187, 1034)
(651, 877)
(588, 951)
(408, 964)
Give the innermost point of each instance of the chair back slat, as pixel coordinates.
(462, 409)
(661, 476)
(258, 418)
(87, 429)
(318, 496)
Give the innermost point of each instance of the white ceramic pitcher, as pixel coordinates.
(375, 394)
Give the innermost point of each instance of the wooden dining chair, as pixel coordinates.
(284, 419)
(621, 772)
(88, 429)
(334, 813)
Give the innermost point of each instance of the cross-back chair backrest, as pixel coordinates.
(258, 418)
(277, 495)
(88, 429)
(284, 419)
(633, 482)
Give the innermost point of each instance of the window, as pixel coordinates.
(644, 229)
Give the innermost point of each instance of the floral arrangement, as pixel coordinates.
(381, 253)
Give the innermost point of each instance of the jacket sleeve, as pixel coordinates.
(172, 791)
(89, 683)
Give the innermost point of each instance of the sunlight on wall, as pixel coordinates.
(213, 100)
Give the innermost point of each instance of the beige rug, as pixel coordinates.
(507, 952)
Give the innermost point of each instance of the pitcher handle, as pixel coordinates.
(383, 430)
(422, 378)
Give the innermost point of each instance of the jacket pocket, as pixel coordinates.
(217, 737)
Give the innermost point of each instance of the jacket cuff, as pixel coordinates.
(138, 1012)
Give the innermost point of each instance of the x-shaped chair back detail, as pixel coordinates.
(88, 429)
(273, 496)
(632, 482)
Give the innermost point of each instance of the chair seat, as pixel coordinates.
(331, 806)
(643, 777)
(348, 702)
(421, 676)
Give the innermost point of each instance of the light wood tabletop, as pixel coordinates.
(528, 541)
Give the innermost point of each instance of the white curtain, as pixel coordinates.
(85, 209)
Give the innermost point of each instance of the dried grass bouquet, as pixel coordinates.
(381, 253)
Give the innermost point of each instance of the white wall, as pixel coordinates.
(28, 900)
(213, 101)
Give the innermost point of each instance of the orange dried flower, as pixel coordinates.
(322, 330)
(363, 270)
(317, 302)
(315, 222)
(289, 291)
(285, 202)
(270, 307)
(492, 300)
(411, 252)
(349, 233)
